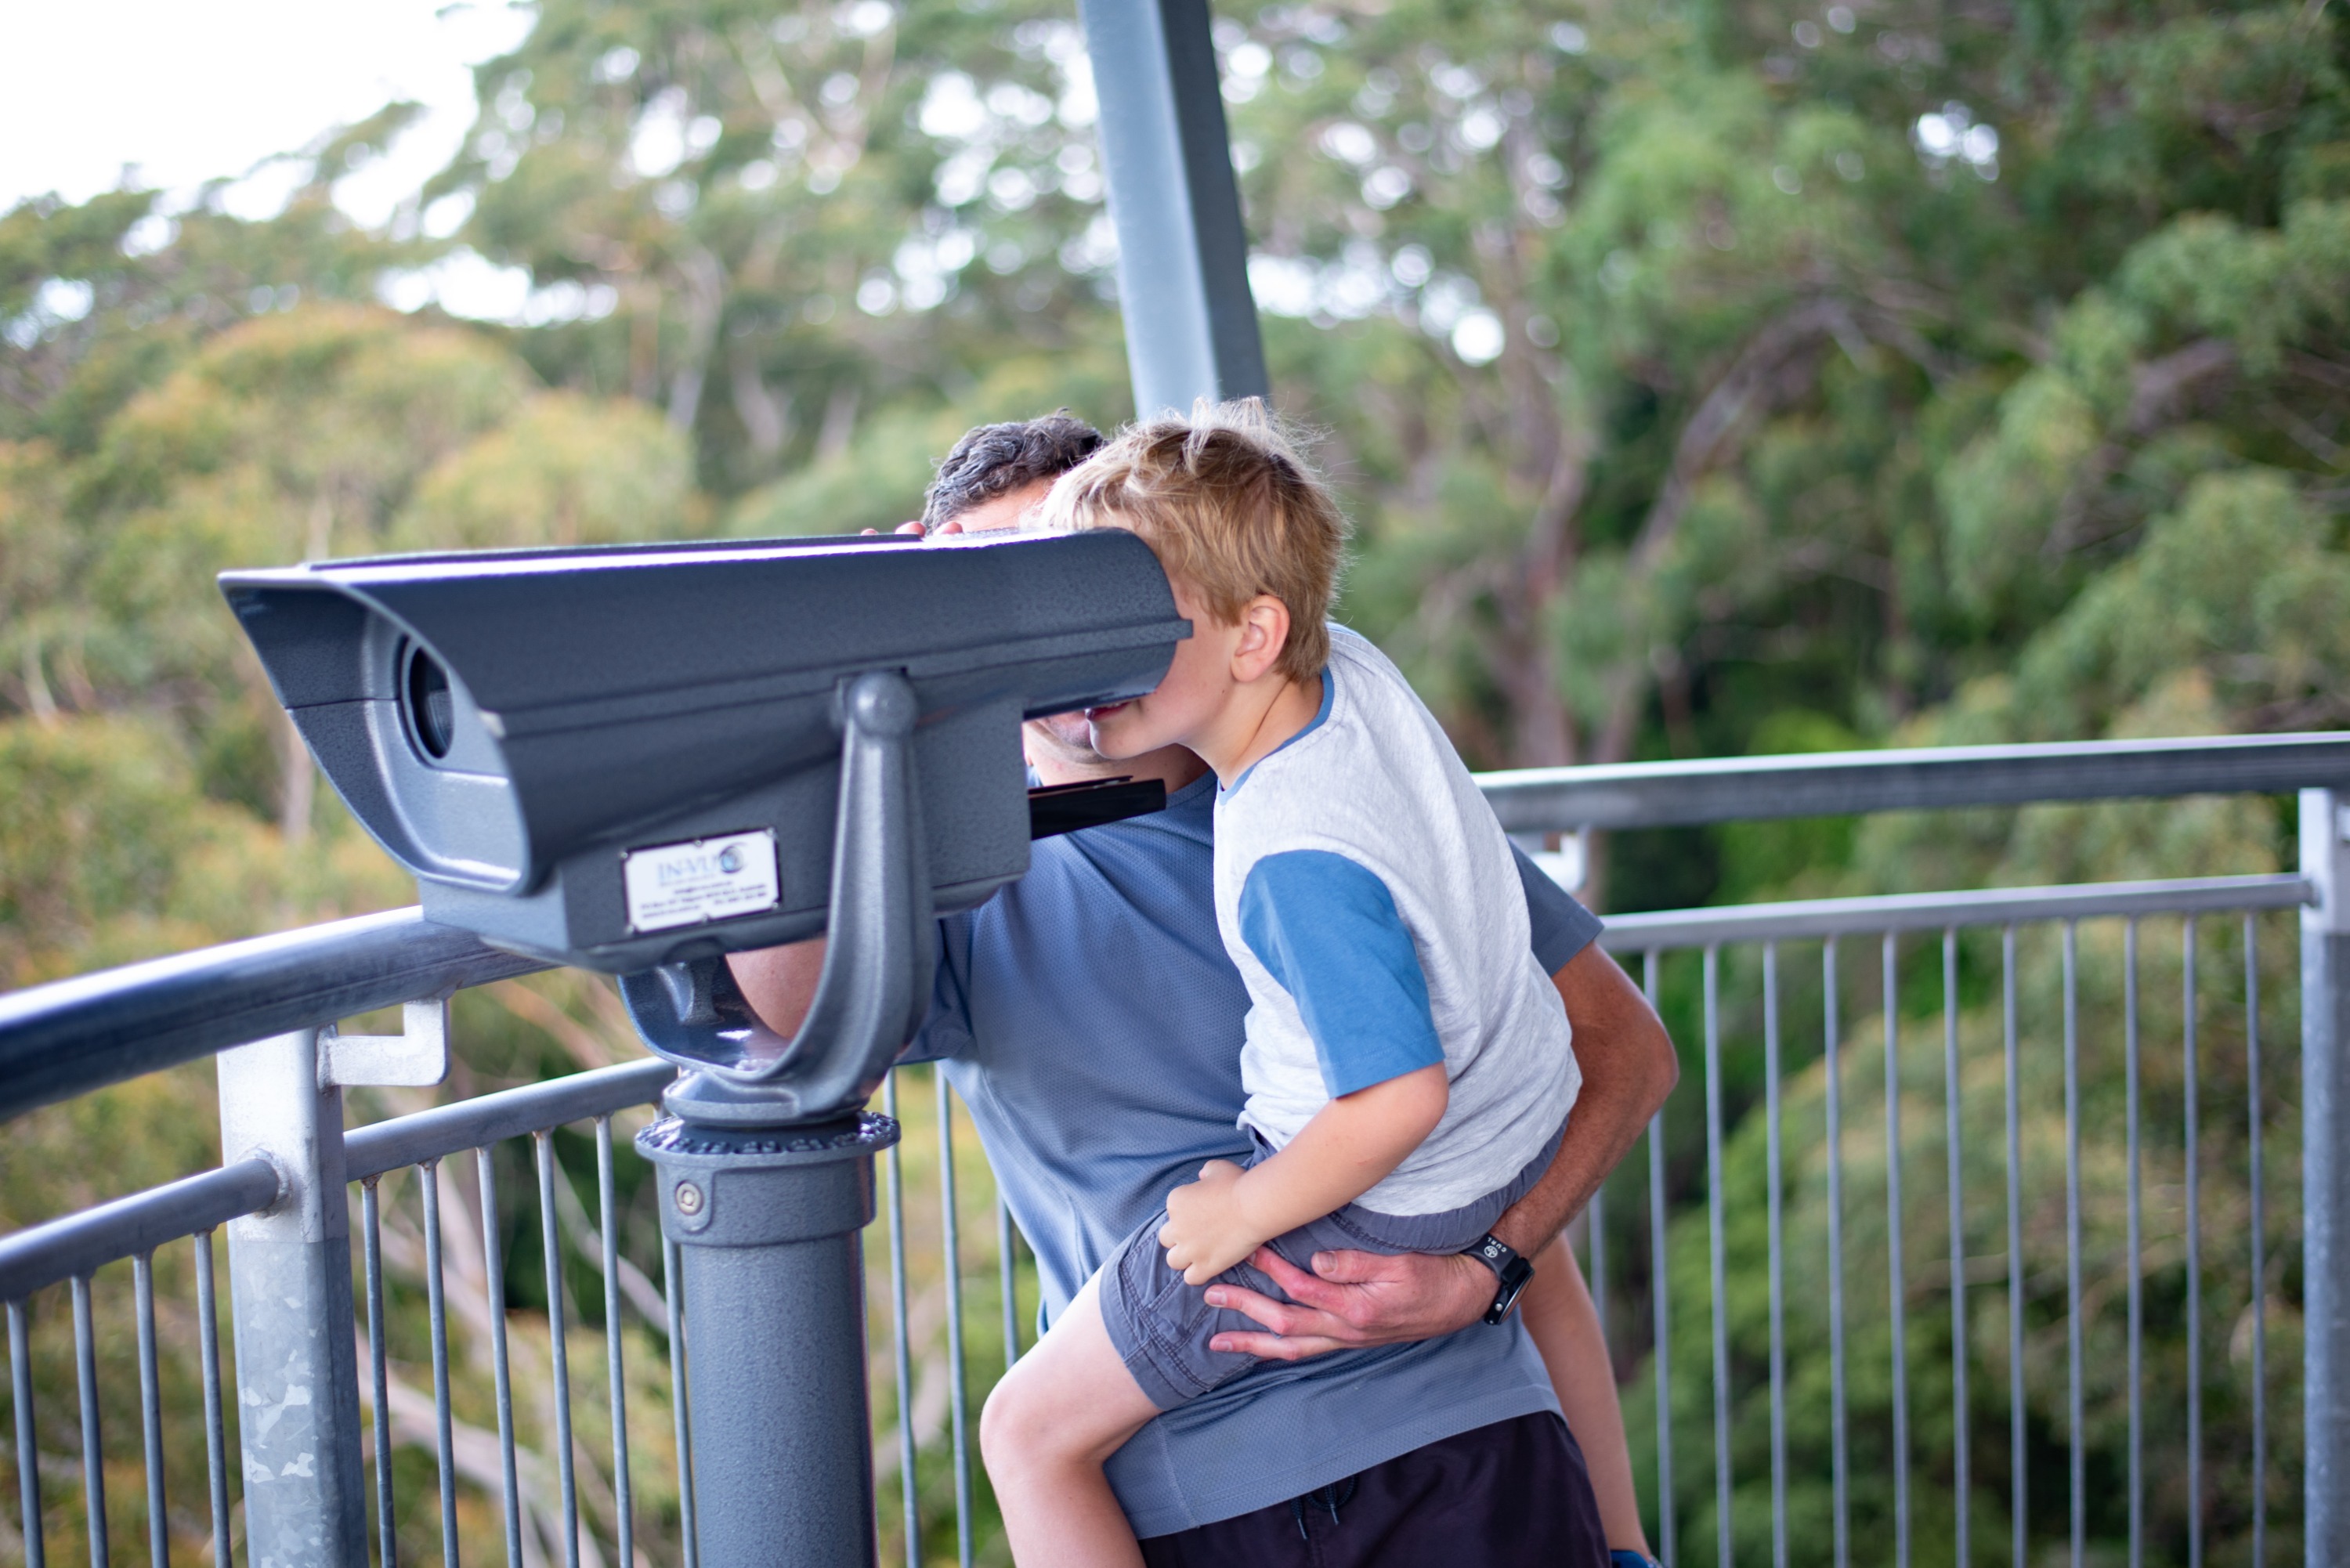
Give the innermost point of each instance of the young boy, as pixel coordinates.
(1406, 1061)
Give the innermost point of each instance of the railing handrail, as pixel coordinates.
(1851, 783)
(77, 1244)
(71, 1036)
(444, 1130)
(1814, 917)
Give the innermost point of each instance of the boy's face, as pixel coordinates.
(1187, 700)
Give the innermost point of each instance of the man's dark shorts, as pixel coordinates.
(1515, 1494)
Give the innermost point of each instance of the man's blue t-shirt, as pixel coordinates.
(1090, 1019)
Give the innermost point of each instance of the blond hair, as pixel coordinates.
(1231, 510)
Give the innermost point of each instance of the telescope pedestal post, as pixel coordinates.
(767, 1222)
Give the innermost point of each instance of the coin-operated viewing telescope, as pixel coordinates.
(617, 755)
(636, 758)
(640, 758)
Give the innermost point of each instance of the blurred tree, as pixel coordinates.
(769, 221)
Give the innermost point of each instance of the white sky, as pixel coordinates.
(192, 89)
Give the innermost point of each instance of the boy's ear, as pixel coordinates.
(1265, 632)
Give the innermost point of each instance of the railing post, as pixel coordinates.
(297, 1390)
(1183, 255)
(2325, 1176)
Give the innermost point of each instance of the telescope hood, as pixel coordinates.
(496, 717)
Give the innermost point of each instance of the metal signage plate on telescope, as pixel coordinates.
(701, 880)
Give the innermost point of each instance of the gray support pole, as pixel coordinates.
(2325, 1176)
(766, 1224)
(297, 1388)
(1183, 255)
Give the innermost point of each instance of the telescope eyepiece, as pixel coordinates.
(431, 707)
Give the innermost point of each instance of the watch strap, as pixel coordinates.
(1511, 1272)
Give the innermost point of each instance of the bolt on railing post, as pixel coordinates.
(297, 1390)
(2325, 1176)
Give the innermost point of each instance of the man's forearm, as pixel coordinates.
(1628, 1068)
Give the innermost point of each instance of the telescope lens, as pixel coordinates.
(432, 711)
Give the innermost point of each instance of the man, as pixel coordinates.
(1091, 1020)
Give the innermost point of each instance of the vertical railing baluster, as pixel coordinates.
(1007, 1263)
(2078, 1472)
(19, 1365)
(608, 1225)
(2018, 1475)
(437, 1306)
(1597, 1274)
(1661, 1301)
(2260, 1301)
(952, 1247)
(559, 1348)
(28, 1454)
(1839, 1437)
(1897, 1288)
(2135, 1244)
(93, 1457)
(2189, 1009)
(151, 1408)
(1715, 1263)
(673, 1294)
(1778, 1258)
(1953, 1100)
(494, 1264)
(379, 1365)
(900, 1345)
(216, 1425)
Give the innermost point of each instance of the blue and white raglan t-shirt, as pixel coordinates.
(1370, 901)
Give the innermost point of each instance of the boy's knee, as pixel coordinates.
(1009, 1424)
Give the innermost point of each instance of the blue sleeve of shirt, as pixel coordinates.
(1562, 926)
(946, 1029)
(1327, 930)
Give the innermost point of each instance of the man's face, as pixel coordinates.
(1008, 509)
(1064, 736)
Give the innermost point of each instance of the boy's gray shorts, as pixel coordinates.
(1160, 1326)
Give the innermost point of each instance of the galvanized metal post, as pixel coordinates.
(1182, 253)
(297, 1389)
(2325, 1176)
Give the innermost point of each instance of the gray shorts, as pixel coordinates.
(1161, 1326)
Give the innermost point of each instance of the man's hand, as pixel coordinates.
(1353, 1299)
(1206, 1232)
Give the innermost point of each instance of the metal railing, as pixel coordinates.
(1905, 1421)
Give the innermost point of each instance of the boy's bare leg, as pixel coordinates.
(1558, 1312)
(1061, 1411)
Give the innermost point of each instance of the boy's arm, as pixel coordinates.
(1355, 1299)
(1344, 1150)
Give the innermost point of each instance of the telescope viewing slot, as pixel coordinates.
(429, 706)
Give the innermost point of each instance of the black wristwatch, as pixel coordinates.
(1508, 1267)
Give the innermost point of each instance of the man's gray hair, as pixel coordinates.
(996, 460)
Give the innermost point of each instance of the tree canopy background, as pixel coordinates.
(1704, 378)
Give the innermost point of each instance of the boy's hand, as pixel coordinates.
(1206, 1232)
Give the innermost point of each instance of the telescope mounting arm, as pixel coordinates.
(875, 985)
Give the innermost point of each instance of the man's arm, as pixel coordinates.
(780, 983)
(1355, 1299)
